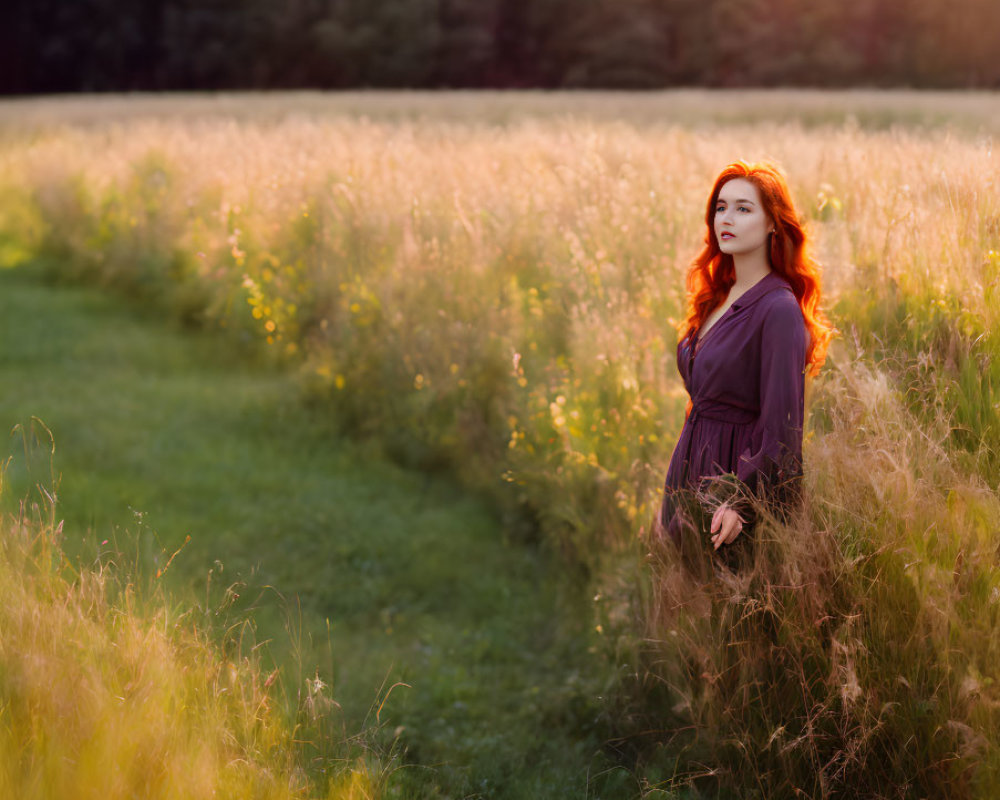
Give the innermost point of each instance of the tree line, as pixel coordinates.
(118, 45)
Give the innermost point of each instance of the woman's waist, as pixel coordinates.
(720, 411)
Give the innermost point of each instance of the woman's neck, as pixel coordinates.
(750, 268)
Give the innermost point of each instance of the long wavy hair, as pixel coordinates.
(713, 273)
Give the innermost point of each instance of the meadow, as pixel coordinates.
(484, 289)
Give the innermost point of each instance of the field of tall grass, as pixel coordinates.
(499, 301)
(111, 689)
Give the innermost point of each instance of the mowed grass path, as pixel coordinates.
(162, 433)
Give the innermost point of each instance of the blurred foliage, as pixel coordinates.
(108, 45)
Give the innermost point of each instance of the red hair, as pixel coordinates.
(712, 273)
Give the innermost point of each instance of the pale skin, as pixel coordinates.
(739, 212)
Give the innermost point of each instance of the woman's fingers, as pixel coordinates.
(729, 526)
(716, 517)
(716, 530)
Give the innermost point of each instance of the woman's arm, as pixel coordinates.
(771, 466)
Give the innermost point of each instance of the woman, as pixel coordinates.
(752, 332)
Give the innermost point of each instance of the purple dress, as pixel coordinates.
(746, 380)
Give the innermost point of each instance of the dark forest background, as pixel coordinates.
(124, 45)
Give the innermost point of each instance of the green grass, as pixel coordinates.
(110, 690)
(161, 433)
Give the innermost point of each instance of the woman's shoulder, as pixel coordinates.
(780, 297)
(771, 289)
(778, 286)
(780, 315)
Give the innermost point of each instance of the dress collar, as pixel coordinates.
(771, 281)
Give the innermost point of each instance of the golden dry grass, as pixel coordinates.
(108, 689)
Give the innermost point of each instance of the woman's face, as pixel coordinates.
(741, 226)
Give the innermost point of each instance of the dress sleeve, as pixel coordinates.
(771, 466)
(683, 357)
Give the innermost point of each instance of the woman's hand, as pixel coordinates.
(726, 525)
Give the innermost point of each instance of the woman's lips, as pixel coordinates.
(727, 235)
